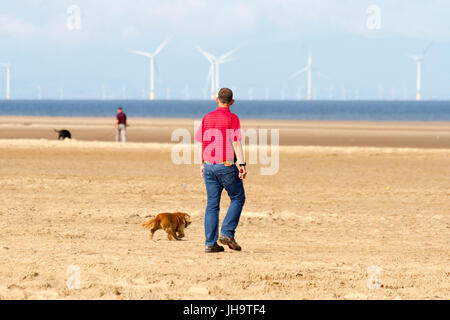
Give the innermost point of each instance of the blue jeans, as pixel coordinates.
(217, 178)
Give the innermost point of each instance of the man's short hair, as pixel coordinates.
(119, 108)
(225, 95)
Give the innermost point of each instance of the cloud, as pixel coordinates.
(196, 17)
(237, 18)
(14, 27)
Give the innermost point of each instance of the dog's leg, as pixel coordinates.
(171, 234)
(181, 235)
(174, 235)
(180, 231)
(168, 230)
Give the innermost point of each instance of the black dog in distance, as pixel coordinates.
(63, 134)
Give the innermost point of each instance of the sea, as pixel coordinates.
(274, 110)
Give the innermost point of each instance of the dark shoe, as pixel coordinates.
(230, 242)
(214, 248)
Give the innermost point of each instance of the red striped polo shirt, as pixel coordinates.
(218, 130)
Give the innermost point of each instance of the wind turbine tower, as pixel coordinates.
(307, 69)
(7, 66)
(250, 94)
(151, 56)
(298, 94)
(103, 92)
(124, 92)
(211, 73)
(419, 59)
(214, 69)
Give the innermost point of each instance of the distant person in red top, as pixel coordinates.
(220, 135)
(121, 126)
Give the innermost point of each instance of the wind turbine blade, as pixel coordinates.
(159, 49)
(207, 55)
(228, 54)
(427, 48)
(228, 60)
(141, 53)
(298, 73)
(415, 57)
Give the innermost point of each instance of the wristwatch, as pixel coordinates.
(243, 164)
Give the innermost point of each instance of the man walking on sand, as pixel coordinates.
(220, 136)
(121, 126)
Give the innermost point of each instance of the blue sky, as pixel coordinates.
(273, 37)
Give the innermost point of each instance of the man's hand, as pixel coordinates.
(242, 173)
(237, 145)
(202, 168)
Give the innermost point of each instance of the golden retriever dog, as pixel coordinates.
(172, 223)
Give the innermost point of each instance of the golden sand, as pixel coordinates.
(309, 232)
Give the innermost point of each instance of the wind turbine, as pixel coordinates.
(298, 94)
(330, 93)
(211, 76)
(405, 93)
(214, 69)
(124, 92)
(419, 59)
(380, 92)
(187, 93)
(7, 66)
(267, 93)
(250, 94)
(283, 94)
(343, 93)
(393, 94)
(308, 69)
(221, 60)
(151, 56)
(103, 91)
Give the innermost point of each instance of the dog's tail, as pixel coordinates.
(149, 224)
(57, 131)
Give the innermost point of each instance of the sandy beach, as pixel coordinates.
(347, 197)
(292, 132)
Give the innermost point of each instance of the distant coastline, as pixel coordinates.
(351, 110)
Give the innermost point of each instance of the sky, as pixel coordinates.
(359, 48)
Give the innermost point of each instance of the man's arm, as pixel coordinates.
(202, 167)
(199, 138)
(237, 145)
